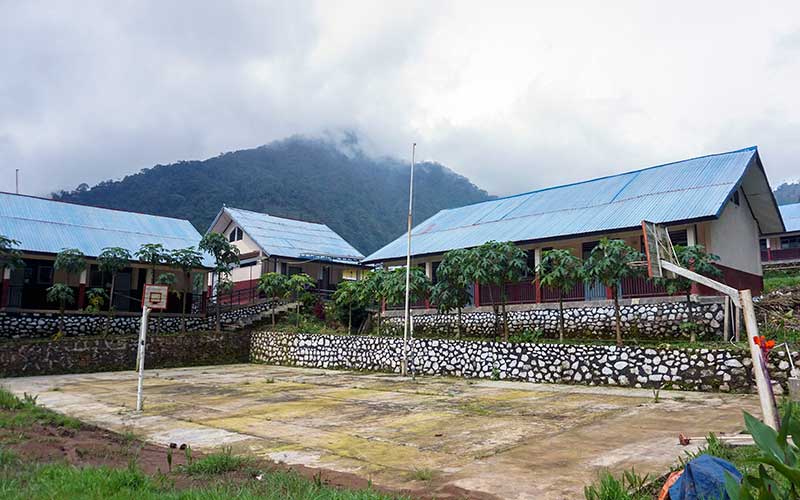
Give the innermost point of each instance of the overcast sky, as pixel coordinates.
(514, 96)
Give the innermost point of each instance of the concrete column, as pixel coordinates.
(691, 236)
(429, 270)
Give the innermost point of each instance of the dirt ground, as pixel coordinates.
(436, 436)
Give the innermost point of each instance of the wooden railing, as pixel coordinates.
(641, 287)
(780, 254)
(551, 294)
(522, 292)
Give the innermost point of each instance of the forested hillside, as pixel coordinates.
(363, 199)
(788, 193)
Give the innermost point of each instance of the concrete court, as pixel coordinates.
(511, 439)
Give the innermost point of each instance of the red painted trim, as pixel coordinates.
(476, 293)
(739, 280)
(609, 293)
(81, 295)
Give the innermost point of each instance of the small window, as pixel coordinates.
(44, 276)
(236, 234)
(735, 198)
(790, 242)
(295, 270)
(763, 243)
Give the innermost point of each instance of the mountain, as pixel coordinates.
(788, 193)
(364, 199)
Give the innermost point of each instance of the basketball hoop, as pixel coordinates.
(155, 296)
(658, 248)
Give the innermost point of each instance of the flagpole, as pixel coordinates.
(404, 363)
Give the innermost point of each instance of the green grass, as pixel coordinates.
(31, 481)
(216, 463)
(422, 474)
(776, 280)
(26, 412)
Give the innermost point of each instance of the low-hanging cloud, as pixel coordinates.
(514, 96)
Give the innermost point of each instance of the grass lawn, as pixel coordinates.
(777, 280)
(46, 455)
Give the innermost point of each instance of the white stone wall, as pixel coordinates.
(651, 320)
(629, 366)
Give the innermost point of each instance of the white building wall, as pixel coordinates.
(735, 238)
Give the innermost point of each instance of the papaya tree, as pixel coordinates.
(273, 285)
(560, 270)
(186, 260)
(225, 257)
(451, 291)
(10, 257)
(497, 264)
(298, 286)
(69, 261)
(374, 291)
(348, 296)
(395, 286)
(696, 258)
(112, 260)
(154, 254)
(608, 263)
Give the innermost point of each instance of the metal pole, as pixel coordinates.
(404, 363)
(765, 394)
(140, 357)
(16, 179)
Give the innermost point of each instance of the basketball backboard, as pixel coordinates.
(155, 296)
(658, 247)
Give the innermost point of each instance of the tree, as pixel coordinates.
(451, 291)
(10, 257)
(62, 295)
(496, 264)
(395, 291)
(95, 297)
(225, 257)
(298, 285)
(561, 270)
(70, 261)
(695, 258)
(273, 285)
(186, 259)
(347, 296)
(112, 260)
(154, 254)
(608, 263)
(374, 290)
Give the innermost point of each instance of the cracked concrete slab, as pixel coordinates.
(511, 439)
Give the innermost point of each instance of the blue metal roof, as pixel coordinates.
(685, 190)
(293, 238)
(49, 226)
(791, 216)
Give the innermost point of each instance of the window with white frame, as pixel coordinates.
(235, 235)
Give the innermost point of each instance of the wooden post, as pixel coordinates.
(726, 322)
(737, 325)
(765, 395)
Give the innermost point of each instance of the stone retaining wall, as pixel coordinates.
(80, 355)
(31, 325)
(658, 318)
(686, 369)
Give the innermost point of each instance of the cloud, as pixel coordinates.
(516, 96)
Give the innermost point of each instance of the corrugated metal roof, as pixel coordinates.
(49, 226)
(791, 216)
(293, 238)
(684, 190)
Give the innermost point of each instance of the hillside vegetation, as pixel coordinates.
(364, 199)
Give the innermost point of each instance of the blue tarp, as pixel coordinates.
(703, 479)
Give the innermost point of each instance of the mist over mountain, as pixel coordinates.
(364, 199)
(788, 193)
